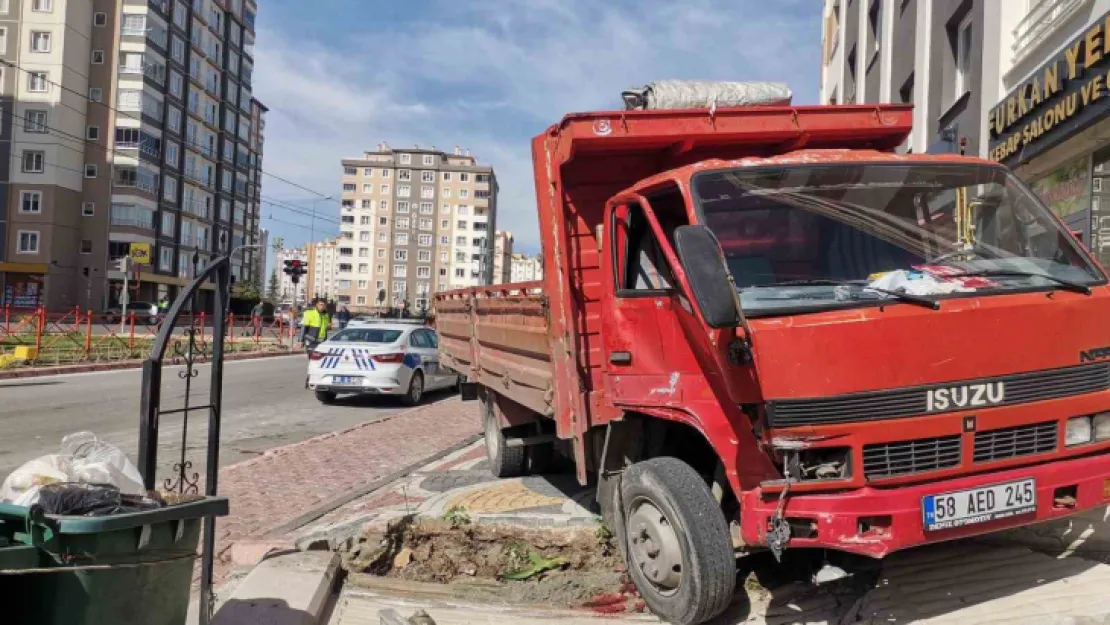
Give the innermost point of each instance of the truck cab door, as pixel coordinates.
(641, 338)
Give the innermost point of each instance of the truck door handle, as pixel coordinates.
(620, 358)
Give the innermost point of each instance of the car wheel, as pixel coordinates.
(503, 461)
(325, 397)
(416, 390)
(677, 544)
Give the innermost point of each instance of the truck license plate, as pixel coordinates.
(345, 379)
(979, 505)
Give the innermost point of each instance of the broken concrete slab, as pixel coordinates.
(289, 589)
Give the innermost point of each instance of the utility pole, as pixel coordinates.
(125, 295)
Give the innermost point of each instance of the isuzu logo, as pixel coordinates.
(965, 396)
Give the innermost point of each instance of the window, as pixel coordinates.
(383, 221)
(444, 224)
(402, 206)
(96, 94)
(368, 172)
(34, 121)
(42, 6)
(446, 192)
(33, 161)
(171, 154)
(100, 19)
(403, 190)
(173, 119)
(90, 170)
(88, 209)
(30, 202)
(364, 220)
(429, 160)
(97, 57)
(400, 271)
(349, 188)
(463, 209)
(427, 208)
(424, 256)
(460, 273)
(86, 246)
(460, 240)
(445, 209)
(360, 299)
(367, 204)
(40, 41)
(463, 194)
(169, 188)
(404, 174)
(464, 177)
(36, 82)
(447, 176)
(349, 171)
(425, 224)
(177, 84)
(427, 193)
(363, 268)
(385, 173)
(384, 189)
(461, 225)
(362, 251)
(427, 176)
(380, 269)
(92, 133)
(401, 238)
(28, 242)
(168, 223)
(381, 252)
(402, 223)
(963, 58)
(367, 188)
(406, 159)
(383, 205)
(383, 237)
(445, 240)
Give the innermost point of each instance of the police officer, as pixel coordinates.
(314, 327)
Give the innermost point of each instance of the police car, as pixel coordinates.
(378, 359)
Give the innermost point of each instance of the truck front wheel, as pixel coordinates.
(676, 541)
(504, 461)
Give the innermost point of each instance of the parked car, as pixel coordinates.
(145, 312)
(379, 359)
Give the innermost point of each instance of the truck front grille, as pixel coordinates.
(1020, 388)
(881, 460)
(1014, 442)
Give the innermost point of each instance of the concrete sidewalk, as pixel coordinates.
(274, 495)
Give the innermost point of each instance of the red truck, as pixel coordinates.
(762, 328)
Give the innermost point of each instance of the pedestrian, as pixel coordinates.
(256, 318)
(314, 327)
(344, 317)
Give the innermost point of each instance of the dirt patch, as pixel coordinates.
(552, 567)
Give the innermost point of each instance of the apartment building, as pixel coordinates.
(134, 133)
(1012, 81)
(289, 292)
(502, 256)
(526, 268)
(262, 240)
(323, 268)
(413, 221)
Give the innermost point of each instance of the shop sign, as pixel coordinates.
(140, 253)
(1065, 189)
(1068, 93)
(24, 292)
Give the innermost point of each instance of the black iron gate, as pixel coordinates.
(187, 349)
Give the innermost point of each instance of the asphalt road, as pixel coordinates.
(265, 405)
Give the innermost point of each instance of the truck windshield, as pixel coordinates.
(816, 237)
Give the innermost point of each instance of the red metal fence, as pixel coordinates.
(81, 336)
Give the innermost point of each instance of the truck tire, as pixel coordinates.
(503, 461)
(540, 458)
(609, 500)
(677, 543)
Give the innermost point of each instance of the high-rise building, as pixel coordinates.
(289, 292)
(413, 221)
(502, 256)
(526, 268)
(262, 259)
(323, 267)
(132, 131)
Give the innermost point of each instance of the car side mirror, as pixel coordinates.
(704, 263)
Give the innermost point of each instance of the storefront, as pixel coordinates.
(1053, 130)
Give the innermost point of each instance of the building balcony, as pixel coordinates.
(1044, 17)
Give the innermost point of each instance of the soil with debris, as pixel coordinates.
(559, 567)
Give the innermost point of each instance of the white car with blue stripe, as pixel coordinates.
(378, 359)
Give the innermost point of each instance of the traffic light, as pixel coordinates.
(295, 269)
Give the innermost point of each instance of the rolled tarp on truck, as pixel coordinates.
(704, 94)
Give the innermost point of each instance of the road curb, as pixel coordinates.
(37, 372)
(287, 589)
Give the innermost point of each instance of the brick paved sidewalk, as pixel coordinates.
(285, 483)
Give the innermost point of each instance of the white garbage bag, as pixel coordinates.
(83, 458)
(917, 283)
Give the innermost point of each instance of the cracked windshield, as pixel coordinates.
(847, 235)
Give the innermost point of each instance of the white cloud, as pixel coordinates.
(490, 74)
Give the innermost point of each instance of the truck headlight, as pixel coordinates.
(1101, 426)
(1077, 431)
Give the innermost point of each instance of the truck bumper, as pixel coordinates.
(875, 521)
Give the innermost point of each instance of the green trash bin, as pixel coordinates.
(123, 569)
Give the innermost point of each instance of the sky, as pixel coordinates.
(340, 76)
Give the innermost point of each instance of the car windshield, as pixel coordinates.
(816, 237)
(366, 335)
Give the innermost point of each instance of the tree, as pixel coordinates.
(273, 291)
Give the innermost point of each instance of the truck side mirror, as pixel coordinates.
(704, 264)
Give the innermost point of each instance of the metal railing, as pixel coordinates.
(1043, 17)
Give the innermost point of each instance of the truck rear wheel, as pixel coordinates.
(504, 461)
(676, 541)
